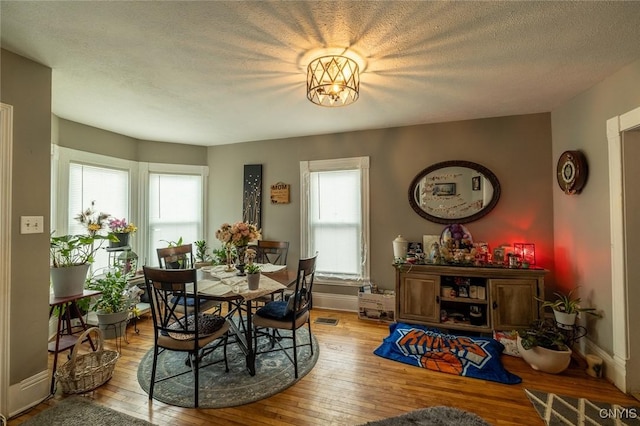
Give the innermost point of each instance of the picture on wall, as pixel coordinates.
(252, 194)
(475, 183)
(444, 189)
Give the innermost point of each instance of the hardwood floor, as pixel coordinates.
(348, 386)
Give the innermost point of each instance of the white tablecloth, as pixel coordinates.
(217, 282)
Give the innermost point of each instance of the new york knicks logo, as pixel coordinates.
(441, 352)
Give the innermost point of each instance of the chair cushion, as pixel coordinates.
(278, 309)
(207, 325)
(191, 301)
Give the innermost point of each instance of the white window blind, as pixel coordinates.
(175, 210)
(335, 218)
(108, 188)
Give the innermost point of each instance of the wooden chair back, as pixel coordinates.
(176, 257)
(274, 252)
(302, 300)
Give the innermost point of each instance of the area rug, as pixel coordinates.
(433, 416)
(477, 357)
(81, 411)
(274, 373)
(563, 410)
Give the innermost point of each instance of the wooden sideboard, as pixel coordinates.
(480, 299)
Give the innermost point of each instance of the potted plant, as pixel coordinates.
(544, 346)
(71, 255)
(202, 254)
(121, 229)
(117, 298)
(566, 308)
(253, 275)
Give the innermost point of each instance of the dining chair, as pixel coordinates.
(288, 314)
(175, 257)
(195, 333)
(274, 252)
(181, 257)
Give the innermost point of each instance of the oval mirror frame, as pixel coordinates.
(438, 167)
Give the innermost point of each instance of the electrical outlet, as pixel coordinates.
(31, 224)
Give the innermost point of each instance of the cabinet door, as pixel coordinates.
(513, 303)
(418, 298)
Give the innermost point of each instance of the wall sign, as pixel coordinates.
(572, 172)
(280, 193)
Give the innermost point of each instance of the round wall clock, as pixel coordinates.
(572, 172)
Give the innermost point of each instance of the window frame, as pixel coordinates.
(145, 169)
(138, 190)
(353, 163)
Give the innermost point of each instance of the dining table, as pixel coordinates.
(225, 285)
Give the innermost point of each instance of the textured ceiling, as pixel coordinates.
(218, 72)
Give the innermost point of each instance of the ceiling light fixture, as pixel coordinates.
(333, 81)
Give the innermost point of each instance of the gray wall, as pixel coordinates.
(581, 222)
(91, 139)
(517, 149)
(27, 86)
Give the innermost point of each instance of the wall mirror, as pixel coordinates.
(454, 192)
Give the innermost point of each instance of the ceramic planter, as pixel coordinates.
(545, 360)
(565, 320)
(123, 238)
(254, 281)
(113, 324)
(68, 281)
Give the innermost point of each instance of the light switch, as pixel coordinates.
(31, 224)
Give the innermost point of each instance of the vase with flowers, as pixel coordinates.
(121, 229)
(71, 255)
(238, 235)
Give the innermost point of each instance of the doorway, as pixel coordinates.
(6, 153)
(623, 135)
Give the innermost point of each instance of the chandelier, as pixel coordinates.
(333, 81)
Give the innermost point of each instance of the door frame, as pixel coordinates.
(6, 161)
(622, 315)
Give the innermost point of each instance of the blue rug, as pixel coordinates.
(477, 357)
(219, 389)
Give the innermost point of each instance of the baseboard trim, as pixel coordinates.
(28, 393)
(614, 368)
(337, 302)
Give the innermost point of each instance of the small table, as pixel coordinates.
(65, 338)
(215, 284)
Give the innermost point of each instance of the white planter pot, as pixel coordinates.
(113, 324)
(68, 281)
(545, 360)
(254, 281)
(565, 320)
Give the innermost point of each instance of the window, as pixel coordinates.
(335, 218)
(165, 201)
(83, 178)
(175, 205)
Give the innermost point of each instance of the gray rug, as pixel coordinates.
(433, 416)
(556, 410)
(81, 411)
(274, 373)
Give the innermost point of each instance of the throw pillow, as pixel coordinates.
(208, 324)
(191, 301)
(277, 310)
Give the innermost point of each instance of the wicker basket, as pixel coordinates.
(83, 373)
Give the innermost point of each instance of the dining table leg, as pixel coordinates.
(251, 353)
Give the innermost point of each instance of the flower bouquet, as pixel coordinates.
(239, 235)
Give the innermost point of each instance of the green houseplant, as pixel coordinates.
(544, 346)
(202, 254)
(116, 300)
(71, 255)
(253, 275)
(566, 308)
